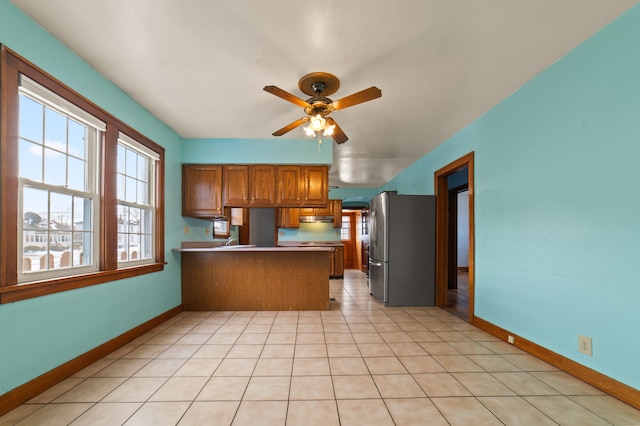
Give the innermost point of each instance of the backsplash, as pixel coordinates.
(310, 232)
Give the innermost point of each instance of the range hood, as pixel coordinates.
(316, 219)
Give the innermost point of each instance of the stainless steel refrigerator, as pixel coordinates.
(402, 249)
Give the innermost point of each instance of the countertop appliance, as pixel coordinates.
(402, 249)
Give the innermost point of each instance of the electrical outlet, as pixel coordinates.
(511, 339)
(206, 231)
(584, 345)
(186, 229)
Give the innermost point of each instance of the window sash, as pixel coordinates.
(126, 255)
(45, 237)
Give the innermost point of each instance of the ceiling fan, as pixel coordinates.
(319, 85)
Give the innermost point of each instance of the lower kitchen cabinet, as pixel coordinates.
(336, 260)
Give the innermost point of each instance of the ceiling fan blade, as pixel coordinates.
(357, 98)
(291, 126)
(286, 96)
(337, 135)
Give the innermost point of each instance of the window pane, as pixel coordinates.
(120, 186)
(55, 167)
(121, 159)
(145, 247)
(31, 113)
(134, 220)
(77, 139)
(82, 243)
(60, 215)
(130, 191)
(77, 179)
(82, 212)
(35, 208)
(30, 163)
(142, 168)
(60, 243)
(143, 193)
(55, 130)
(132, 160)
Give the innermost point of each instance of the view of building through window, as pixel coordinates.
(57, 156)
(135, 202)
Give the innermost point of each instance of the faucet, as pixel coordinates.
(230, 240)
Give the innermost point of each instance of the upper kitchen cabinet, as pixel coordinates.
(236, 185)
(246, 185)
(290, 185)
(288, 217)
(336, 209)
(316, 186)
(201, 190)
(262, 185)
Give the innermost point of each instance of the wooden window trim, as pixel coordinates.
(11, 66)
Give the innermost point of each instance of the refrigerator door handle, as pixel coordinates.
(374, 263)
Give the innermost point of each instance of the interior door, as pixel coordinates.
(348, 238)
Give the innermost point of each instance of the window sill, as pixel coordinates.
(14, 293)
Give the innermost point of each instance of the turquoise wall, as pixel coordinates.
(555, 230)
(39, 334)
(256, 151)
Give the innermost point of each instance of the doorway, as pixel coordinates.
(348, 239)
(449, 280)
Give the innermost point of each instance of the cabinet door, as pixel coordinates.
(290, 186)
(316, 186)
(236, 185)
(262, 183)
(289, 217)
(201, 190)
(336, 207)
(332, 264)
(308, 211)
(338, 268)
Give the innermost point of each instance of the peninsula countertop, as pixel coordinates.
(208, 247)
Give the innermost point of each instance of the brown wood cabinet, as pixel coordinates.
(336, 209)
(201, 190)
(316, 186)
(336, 262)
(207, 188)
(290, 185)
(236, 185)
(289, 217)
(249, 185)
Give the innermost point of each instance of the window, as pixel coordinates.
(82, 192)
(345, 231)
(136, 204)
(57, 188)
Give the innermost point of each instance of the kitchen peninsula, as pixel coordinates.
(254, 278)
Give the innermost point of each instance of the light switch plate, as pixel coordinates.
(584, 345)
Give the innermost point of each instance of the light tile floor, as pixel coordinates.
(356, 364)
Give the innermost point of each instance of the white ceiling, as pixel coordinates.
(200, 65)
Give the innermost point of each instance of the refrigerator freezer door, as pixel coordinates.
(378, 222)
(378, 280)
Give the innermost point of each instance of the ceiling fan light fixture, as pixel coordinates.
(317, 123)
(328, 130)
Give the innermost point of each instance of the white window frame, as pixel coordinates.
(95, 126)
(153, 159)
